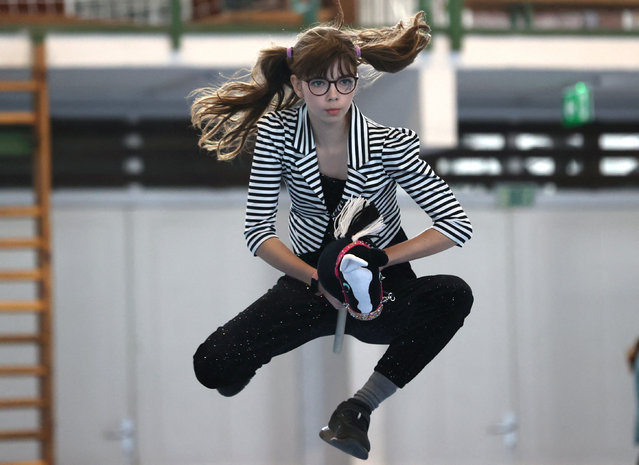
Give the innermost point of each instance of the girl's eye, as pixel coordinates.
(317, 83)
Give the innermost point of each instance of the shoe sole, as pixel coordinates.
(346, 445)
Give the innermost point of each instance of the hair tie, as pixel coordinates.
(289, 53)
(358, 51)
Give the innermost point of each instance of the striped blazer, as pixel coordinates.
(379, 159)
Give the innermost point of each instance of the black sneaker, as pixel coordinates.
(348, 427)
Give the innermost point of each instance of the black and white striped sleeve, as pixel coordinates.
(401, 161)
(264, 183)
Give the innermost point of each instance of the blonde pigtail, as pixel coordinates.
(227, 115)
(394, 48)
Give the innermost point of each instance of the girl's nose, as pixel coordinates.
(332, 91)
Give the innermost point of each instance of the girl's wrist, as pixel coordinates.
(314, 286)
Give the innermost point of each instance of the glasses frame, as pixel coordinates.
(308, 83)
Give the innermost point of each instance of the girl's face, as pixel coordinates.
(333, 106)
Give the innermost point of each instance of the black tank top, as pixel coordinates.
(333, 189)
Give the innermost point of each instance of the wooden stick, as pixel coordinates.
(11, 118)
(42, 187)
(338, 341)
(18, 86)
(13, 211)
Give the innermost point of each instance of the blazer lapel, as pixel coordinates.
(358, 144)
(303, 141)
(304, 144)
(358, 154)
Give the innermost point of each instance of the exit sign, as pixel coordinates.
(578, 105)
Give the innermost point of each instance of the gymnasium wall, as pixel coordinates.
(141, 278)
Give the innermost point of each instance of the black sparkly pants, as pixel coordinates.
(425, 315)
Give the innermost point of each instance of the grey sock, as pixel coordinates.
(377, 388)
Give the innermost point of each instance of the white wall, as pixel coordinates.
(142, 278)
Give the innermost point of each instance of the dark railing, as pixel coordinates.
(164, 153)
(568, 158)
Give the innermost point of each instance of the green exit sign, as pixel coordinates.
(578, 105)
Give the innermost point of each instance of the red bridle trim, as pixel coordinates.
(358, 315)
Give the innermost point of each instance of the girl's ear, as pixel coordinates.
(297, 85)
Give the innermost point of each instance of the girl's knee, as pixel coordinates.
(453, 293)
(205, 368)
(461, 295)
(215, 369)
(211, 362)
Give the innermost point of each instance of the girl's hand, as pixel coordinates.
(331, 300)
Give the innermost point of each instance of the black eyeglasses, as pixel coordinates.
(344, 85)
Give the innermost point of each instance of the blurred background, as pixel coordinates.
(121, 254)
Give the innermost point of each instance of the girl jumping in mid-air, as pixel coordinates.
(297, 118)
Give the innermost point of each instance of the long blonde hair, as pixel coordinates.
(226, 116)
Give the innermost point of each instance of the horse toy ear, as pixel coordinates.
(351, 263)
(348, 267)
(374, 257)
